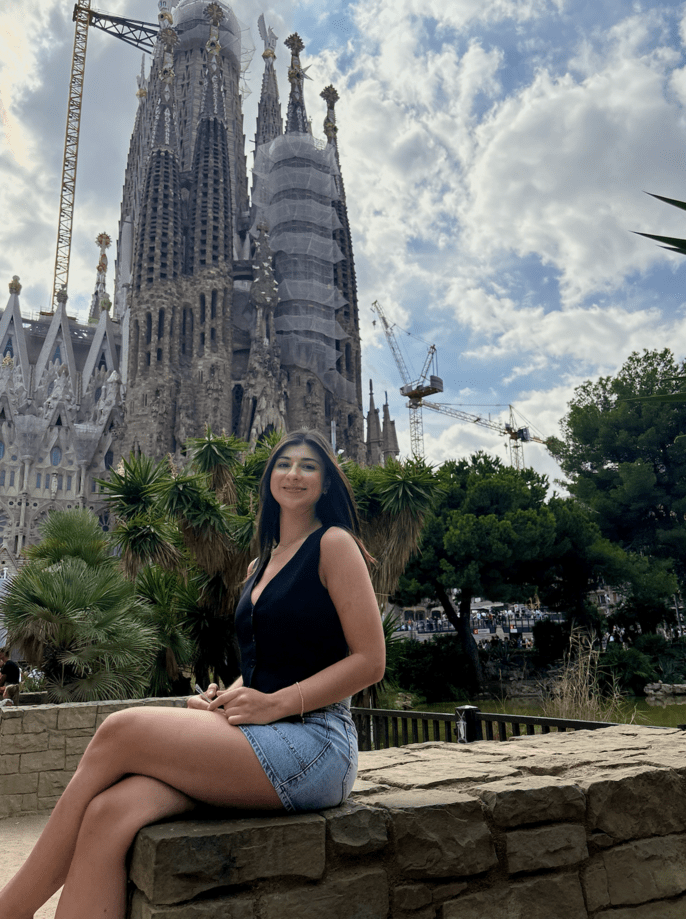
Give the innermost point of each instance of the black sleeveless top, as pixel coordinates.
(293, 631)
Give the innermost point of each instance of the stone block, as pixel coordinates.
(445, 839)
(174, 862)
(545, 847)
(51, 784)
(26, 743)
(38, 719)
(80, 715)
(11, 721)
(672, 909)
(58, 740)
(18, 784)
(29, 804)
(71, 762)
(9, 765)
(361, 894)
(76, 745)
(646, 869)
(557, 896)
(594, 883)
(48, 803)
(447, 891)
(411, 897)
(630, 804)
(10, 805)
(220, 908)
(534, 799)
(353, 829)
(46, 761)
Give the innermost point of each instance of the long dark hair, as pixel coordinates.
(336, 506)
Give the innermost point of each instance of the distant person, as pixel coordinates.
(10, 676)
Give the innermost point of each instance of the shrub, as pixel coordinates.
(437, 669)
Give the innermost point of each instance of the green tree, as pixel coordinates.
(619, 452)
(484, 540)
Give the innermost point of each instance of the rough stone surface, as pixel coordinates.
(79, 715)
(440, 840)
(545, 847)
(622, 804)
(673, 909)
(594, 883)
(221, 908)
(355, 830)
(411, 896)
(550, 897)
(178, 861)
(646, 869)
(533, 800)
(358, 895)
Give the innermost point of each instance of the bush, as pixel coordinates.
(631, 668)
(437, 669)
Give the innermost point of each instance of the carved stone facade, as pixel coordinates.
(60, 413)
(229, 310)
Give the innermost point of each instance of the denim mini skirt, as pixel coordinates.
(311, 765)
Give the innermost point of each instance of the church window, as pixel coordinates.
(160, 324)
(57, 356)
(2, 449)
(147, 358)
(109, 459)
(58, 423)
(38, 480)
(148, 328)
(9, 348)
(69, 483)
(60, 482)
(12, 474)
(103, 362)
(51, 386)
(213, 334)
(55, 456)
(202, 309)
(348, 358)
(2, 478)
(213, 308)
(3, 417)
(98, 393)
(159, 354)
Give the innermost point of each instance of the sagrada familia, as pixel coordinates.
(231, 308)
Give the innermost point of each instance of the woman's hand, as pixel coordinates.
(198, 702)
(245, 706)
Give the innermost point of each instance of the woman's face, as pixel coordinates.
(297, 479)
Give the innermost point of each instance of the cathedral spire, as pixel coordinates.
(331, 97)
(374, 435)
(100, 299)
(213, 103)
(269, 120)
(296, 119)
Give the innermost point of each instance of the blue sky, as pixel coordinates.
(495, 155)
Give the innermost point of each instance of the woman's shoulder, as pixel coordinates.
(335, 537)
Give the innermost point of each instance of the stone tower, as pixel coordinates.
(192, 247)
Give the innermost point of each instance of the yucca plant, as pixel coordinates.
(72, 534)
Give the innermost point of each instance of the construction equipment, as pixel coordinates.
(416, 391)
(131, 31)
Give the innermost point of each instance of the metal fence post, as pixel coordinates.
(467, 724)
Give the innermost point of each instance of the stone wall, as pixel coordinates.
(40, 747)
(585, 825)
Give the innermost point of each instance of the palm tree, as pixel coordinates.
(81, 625)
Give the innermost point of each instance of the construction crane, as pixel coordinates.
(132, 31)
(517, 435)
(416, 390)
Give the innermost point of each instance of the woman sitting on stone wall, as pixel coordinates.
(281, 737)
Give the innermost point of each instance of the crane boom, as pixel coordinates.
(134, 32)
(71, 150)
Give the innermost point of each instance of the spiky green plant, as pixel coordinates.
(82, 626)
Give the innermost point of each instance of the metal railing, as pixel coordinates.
(472, 724)
(380, 729)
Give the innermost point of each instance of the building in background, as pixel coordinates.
(229, 309)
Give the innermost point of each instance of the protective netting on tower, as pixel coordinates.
(294, 189)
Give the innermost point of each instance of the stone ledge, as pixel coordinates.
(437, 831)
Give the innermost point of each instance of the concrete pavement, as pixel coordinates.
(17, 838)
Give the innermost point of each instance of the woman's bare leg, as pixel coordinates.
(96, 883)
(196, 752)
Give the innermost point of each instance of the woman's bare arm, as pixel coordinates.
(345, 576)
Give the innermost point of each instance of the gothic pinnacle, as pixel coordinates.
(295, 44)
(15, 286)
(214, 13)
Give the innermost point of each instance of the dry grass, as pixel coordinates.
(579, 692)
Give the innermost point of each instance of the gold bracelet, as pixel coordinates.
(302, 703)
